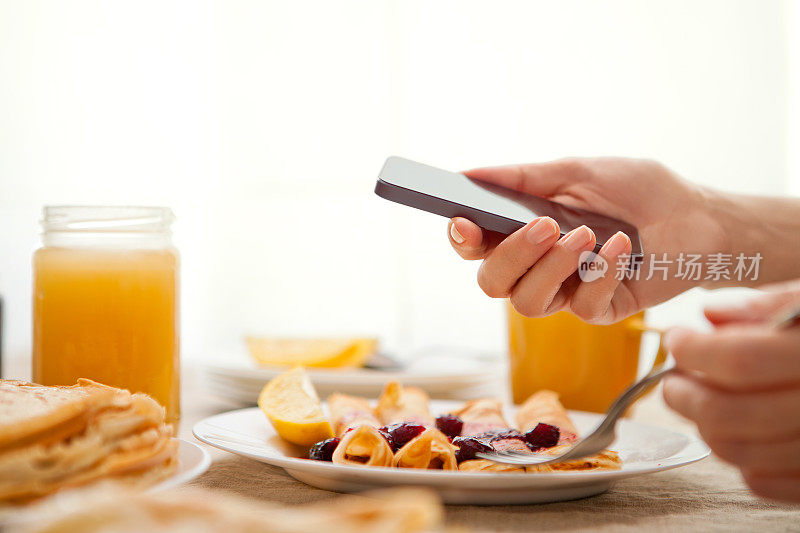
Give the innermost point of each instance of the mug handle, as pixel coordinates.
(640, 327)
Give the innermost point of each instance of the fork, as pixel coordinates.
(605, 433)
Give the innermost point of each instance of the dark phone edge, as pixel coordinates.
(446, 208)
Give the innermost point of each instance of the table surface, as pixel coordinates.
(705, 496)
(708, 495)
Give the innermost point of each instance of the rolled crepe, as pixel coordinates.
(605, 460)
(543, 406)
(486, 416)
(404, 404)
(429, 450)
(348, 412)
(484, 465)
(356, 425)
(363, 446)
(480, 416)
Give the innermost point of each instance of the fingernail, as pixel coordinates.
(456, 235)
(577, 239)
(543, 229)
(615, 245)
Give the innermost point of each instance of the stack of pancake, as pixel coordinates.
(54, 437)
(108, 507)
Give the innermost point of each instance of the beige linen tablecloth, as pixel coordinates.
(705, 496)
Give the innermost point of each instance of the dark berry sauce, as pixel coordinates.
(323, 450)
(398, 435)
(469, 446)
(542, 436)
(450, 425)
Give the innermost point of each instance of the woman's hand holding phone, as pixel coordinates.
(537, 270)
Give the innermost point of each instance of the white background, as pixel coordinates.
(263, 125)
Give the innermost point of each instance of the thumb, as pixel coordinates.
(540, 179)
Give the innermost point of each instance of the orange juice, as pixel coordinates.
(108, 314)
(588, 365)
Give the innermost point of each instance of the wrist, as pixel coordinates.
(703, 224)
(726, 220)
(750, 227)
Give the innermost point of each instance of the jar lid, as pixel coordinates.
(94, 219)
(122, 227)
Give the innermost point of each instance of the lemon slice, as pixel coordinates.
(316, 353)
(292, 405)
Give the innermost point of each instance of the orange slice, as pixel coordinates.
(316, 353)
(292, 405)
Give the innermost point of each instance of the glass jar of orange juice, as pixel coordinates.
(105, 300)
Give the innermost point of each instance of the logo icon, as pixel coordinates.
(591, 266)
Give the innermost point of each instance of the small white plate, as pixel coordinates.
(440, 371)
(644, 449)
(193, 461)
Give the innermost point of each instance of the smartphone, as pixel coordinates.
(488, 205)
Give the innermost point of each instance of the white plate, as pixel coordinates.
(193, 461)
(644, 449)
(247, 394)
(441, 372)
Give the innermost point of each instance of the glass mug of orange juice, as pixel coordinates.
(588, 365)
(105, 300)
